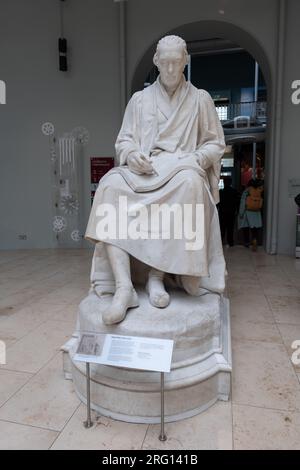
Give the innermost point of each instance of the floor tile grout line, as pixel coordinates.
(289, 278)
(16, 391)
(66, 423)
(285, 347)
(26, 256)
(28, 425)
(26, 334)
(41, 281)
(30, 378)
(36, 297)
(26, 304)
(244, 340)
(281, 410)
(270, 307)
(146, 432)
(42, 322)
(34, 329)
(279, 323)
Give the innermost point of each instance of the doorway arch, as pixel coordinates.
(210, 29)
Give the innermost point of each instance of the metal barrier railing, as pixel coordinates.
(253, 109)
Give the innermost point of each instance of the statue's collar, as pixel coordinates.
(178, 92)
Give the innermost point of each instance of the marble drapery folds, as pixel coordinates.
(184, 139)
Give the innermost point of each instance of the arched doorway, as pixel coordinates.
(207, 31)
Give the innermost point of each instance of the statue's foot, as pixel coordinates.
(158, 295)
(125, 297)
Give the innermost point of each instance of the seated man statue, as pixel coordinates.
(169, 151)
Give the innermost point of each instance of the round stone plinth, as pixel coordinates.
(201, 362)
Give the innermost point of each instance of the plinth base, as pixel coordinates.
(201, 364)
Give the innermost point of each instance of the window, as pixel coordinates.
(222, 112)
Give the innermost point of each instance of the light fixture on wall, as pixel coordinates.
(62, 42)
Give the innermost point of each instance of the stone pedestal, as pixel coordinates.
(201, 364)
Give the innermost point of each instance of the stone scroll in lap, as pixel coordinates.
(157, 208)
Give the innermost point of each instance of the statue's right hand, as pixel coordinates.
(139, 164)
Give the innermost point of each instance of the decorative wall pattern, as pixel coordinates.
(66, 157)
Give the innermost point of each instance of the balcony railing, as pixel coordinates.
(255, 110)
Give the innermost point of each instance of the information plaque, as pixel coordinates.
(131, 352)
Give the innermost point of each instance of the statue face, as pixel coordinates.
(171, 62)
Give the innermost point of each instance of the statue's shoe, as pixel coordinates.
(191, 285)
(158, 296)
(124, 298)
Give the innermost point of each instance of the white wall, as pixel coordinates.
(86, 96)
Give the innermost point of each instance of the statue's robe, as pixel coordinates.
(185, 140)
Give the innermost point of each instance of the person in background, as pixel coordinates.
(228, 208)
(250, 219)
(246, 174)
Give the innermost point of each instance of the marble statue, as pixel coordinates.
(168, 151)
(158, 269)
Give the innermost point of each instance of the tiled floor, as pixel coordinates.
(39, 294)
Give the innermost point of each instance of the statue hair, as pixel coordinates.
(171, 41)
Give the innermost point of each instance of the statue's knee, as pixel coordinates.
(113, 180)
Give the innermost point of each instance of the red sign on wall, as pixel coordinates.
(99, 166)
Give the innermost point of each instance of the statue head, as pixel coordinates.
(170, 58)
